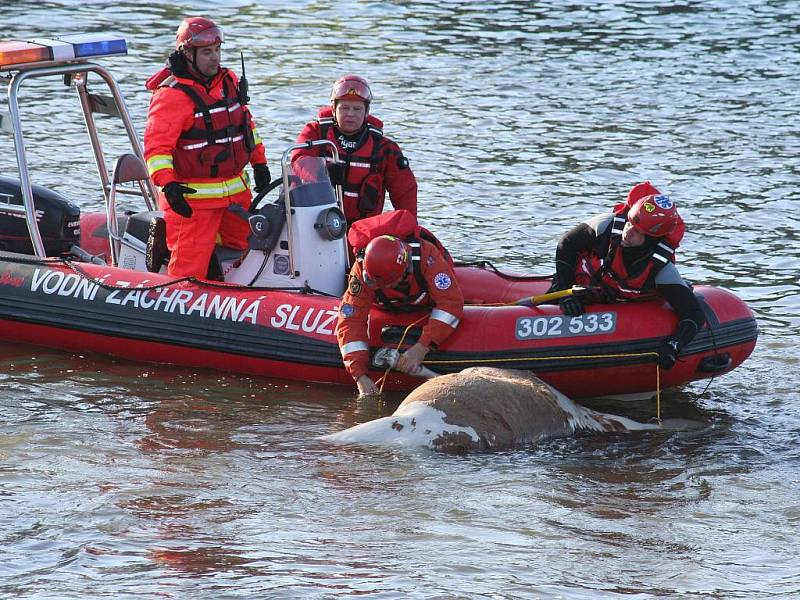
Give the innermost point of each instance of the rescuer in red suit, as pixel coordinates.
(628, 254)
(400, 275)
(199, 137)
(371, 164)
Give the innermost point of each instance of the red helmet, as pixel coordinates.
(196, 32)
(386, 260)
(654, 215)
(351, 87)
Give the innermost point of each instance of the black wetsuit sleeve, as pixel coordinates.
(690, 314)
(576, 240)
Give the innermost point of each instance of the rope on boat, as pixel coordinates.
(308, 290)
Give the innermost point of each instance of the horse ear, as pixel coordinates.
(640, 190)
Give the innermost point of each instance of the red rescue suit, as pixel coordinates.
(374, 167)
(438, 290)
(202, 137)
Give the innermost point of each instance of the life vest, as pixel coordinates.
(364, 188)
(221, 139)
(402, 224)
(604, 266)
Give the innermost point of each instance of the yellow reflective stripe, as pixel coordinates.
(217, 189)
(354, 347)
(445, 317)
(159, 162)
(256, 136)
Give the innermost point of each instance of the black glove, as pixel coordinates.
(336, 173)
(572, 306)
(668, 352)
(174, 192)
(261, 175)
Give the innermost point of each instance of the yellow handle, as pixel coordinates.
(542, 298)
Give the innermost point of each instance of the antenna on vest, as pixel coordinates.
(243, 97)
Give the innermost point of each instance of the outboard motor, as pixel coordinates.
(58, 219)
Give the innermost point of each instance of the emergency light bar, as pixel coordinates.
(66, 48)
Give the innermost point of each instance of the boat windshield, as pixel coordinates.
(309, 184)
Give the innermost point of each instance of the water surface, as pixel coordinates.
(130, 480)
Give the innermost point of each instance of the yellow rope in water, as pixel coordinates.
(658, 391)
(382, 379)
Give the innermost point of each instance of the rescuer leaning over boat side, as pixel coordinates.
(199, 137)
(627, 255)
(402, 274)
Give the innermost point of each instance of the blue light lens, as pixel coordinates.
(87, 45)
(100, 48)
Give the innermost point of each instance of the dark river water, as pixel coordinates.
(126, 480)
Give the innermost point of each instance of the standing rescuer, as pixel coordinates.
(199, 137)
(371, 163)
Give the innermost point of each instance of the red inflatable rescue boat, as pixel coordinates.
(97, 282)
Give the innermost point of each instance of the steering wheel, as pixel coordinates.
(254, 204)
(260, 196)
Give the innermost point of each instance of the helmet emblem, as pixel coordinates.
(663, 201)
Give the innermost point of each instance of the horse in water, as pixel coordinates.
(483, 409)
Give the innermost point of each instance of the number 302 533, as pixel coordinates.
(528, 328)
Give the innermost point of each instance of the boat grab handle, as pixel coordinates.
(716, 363)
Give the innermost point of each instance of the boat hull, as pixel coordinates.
(276, 333)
